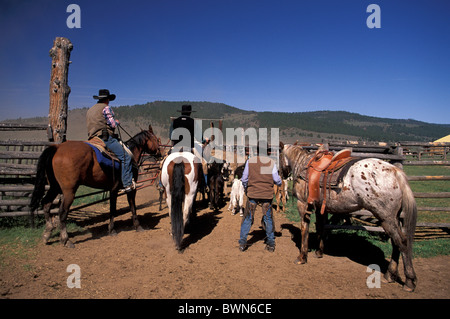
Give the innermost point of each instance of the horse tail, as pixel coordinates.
(409, 207)
(177, 194)
(44, 172)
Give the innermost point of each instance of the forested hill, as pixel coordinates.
(363, 127)
(325, 122)
(301, 126)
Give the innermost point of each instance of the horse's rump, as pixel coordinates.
(180, 176)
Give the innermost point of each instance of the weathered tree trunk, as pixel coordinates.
(59, 89)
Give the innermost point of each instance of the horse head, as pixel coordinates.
(145, 141)
(292, 159)
(152, 142)
(284, 168)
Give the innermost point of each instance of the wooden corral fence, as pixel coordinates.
(18, 160)
(396, 154)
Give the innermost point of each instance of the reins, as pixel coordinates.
(140, 160)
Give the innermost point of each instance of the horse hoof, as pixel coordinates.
(300, 262)
(113, 233)
(318, 255)
(46, 238)
(180, 250)
(388, 278)
(408, 289)
(69, 244)
(409, 286)
(139, 229)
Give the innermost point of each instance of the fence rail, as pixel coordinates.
(22, 127)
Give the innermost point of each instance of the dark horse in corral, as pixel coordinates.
(216, 184)
(370, 184)
(181, 176)
(68, 165)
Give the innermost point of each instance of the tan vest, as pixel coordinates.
(96, 121)
(260, 180)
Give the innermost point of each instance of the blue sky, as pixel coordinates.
(291, 56)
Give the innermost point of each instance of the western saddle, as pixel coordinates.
(101, 146)
(322, 167)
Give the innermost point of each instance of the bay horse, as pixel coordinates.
(370, 184)
(68, 165)
(181, 176)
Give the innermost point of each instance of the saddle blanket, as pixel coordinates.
(104, 160)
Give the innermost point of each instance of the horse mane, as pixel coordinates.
(138, 140)
(297, 157)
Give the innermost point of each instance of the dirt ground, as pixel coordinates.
(146, 265)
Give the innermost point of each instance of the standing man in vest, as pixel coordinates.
(260, 173)
(101, 122)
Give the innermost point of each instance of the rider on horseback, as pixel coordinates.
(101, 122)
(189, 141)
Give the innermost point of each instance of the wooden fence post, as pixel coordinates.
(59, 89)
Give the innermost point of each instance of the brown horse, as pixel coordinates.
(370, 184)
(281, 194)
(68, 165)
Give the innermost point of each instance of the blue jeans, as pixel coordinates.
(125, 160)
(248, 218)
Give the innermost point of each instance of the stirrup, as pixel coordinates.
(130, 188)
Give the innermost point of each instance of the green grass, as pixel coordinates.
(83, 190)
(19, 241)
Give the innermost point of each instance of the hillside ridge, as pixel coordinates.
(314, 126)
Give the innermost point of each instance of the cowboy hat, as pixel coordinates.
(186, 109)
(104, 94)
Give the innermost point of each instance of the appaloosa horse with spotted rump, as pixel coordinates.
(370, 184)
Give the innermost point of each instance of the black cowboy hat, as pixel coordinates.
(186, 109)
(104, 94)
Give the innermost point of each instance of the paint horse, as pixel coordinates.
(181, 175)
(68, 165)
(370, 184)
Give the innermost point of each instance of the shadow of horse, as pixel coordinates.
(148, 221)
(200, 227)
(351, 245)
